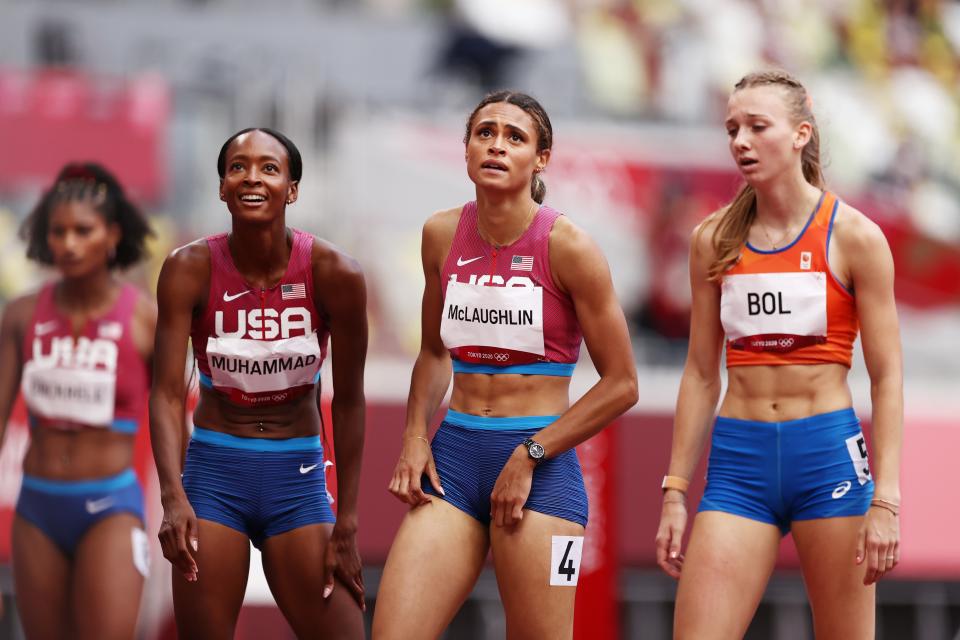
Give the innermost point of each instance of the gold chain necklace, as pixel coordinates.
(776, 245)
(526, 223)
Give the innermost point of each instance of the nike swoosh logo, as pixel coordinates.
(229, 298)
(43, 328)
(461, 261)
(96, 506)
(304, 469)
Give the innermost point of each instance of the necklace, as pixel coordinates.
(776, 245)
(523, 227)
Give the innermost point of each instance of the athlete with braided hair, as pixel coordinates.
(79, 350)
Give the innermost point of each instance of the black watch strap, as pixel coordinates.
(535, 450)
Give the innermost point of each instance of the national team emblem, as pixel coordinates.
(521, 263)
(110, 330)
(293, 291)
(806, 258)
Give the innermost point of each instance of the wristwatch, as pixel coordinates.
(534, 450)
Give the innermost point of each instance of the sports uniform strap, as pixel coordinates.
(824, 215)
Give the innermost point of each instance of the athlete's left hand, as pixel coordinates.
(342, 562)
(512, 489)
(878, 543)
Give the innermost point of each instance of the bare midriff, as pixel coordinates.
(294, 419)
(83, 453)
(785, 392)
(510, 395)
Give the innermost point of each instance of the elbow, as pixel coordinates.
(628, 392)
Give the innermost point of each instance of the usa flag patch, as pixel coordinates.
(293, 291)
(521, 263)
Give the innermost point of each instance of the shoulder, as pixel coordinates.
(192, 256)
(854, 232)
(702, 238)
(442, 225)
(329, 261)
(566, 237)
(18, 312)
(145, 308)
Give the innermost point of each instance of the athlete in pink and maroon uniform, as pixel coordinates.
(259, 304)
(510, 288)
(79, 351)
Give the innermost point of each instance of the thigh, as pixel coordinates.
(843, 607)
(109, 567)
(536, 583)
(41, 578)
(293, 565)
(728, 562)
(208, 608)
(433, 564)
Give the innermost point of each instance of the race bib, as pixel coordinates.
(507, 318)
(84, 396)
(258, 366)
(774, 311)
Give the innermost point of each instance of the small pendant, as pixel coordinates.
(260, 426)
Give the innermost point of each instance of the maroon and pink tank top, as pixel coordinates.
(502, 312)
(260, 346)
(98, 379)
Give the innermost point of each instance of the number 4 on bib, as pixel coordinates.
(566, 552)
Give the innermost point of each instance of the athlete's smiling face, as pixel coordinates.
(502, 151)
(80, 239)
(256, 184)
(765, 141)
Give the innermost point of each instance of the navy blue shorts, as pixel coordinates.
(66, 509)
(258, 486)
(779, 472)
(470, 451)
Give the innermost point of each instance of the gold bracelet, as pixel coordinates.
(882, 504)
(895, 505)
(675, 482)
(421, 438)
(665, 501)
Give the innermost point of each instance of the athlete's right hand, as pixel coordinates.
(673, 522)
(179, 536)
(415, 460)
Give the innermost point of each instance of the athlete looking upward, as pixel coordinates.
(259, 303)
(512, 286)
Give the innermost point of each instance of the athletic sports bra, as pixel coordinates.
(70, 383)
(260, 346)
(786, 306)
(502, 312)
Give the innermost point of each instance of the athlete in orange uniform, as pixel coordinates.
(783, 277)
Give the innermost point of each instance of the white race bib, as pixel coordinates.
(258, 366)
(84, 396)
(777, 306)
(501, 317)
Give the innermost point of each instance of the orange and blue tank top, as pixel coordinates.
(786, 306)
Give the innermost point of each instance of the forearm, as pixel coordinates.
(696, 405)
(428, 386)
(887, 428)
(166, 435)
(601, 405)
(348, 435)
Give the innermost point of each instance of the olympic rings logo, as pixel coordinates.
(501, 357)
(786, 343)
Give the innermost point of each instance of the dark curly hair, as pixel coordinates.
(293, 154)
(91, 183)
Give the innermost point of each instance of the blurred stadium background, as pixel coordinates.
(375, 92)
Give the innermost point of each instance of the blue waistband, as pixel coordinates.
(207, 381)
(839, 418)
(80, 487)
(536, 368)
(306, 443)
(127, 426)
(485, 423)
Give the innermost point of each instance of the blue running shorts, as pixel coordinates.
(258, 486)
(779, 472)
(66, 509)
(470, 452)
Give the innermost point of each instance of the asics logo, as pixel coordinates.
(43, 328)
(461, 261)
(842, 489)
(231, 297)
(96, 506)
(304, 469)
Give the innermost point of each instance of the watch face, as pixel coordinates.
(536, 450)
